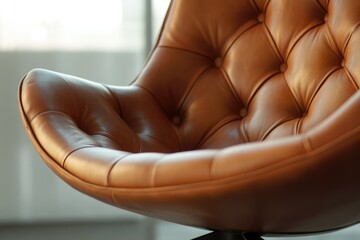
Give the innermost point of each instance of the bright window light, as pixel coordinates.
(70, 25)
(159, 10)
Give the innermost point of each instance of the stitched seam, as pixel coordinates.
(191, 87)
(177, 132)
(255, 5)
(215, 128)
(257, 89)
(274, 126)
(104, 134)
(115, 99)
(236, 37)
(150, 93)
(155, 139)
(72, 93)
(73, 151)
(258, 7)
(308, 150)
(231, 86)
(136, 140)
(320, 5)
(287, 57)
(352, 79)
(277, 53)
(300, 37)
(224, 180)
(272, 42)
(154, 171)
(243, 132)
(186, 94)
(292, 94)
(112, 167)
(319, 87)
(298, 126)
(357, 27)
(47, 112)
(211, 166)
(332, 41)
(186, 50)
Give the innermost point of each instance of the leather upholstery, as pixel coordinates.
(245, 117)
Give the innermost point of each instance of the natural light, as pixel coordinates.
(65, 24)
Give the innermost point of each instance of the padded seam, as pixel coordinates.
(231, 86)
(307, 147)
(115, 99)
(154, 171)
(319, 3)
(272, 42)
(292, 48)
(244, 133)
(275, 49)
(112, 167)
(274, 126)
(257, 88)
(215, 128)
(191, 87)
(186, 50)
(185, 96)
(237, 36)
(300, 36)
(177, 132)
(50, 111)
(331, 40)
(225, 180)
(73, 95)
(292, 94)
(155, 139)
(317, 89)
(104, 134)
(357, 28)
(75, 150)
(356, 86)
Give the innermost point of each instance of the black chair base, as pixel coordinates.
(229, 236)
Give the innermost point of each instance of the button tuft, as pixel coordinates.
(326, 17)
(261, 17)
(175, 120)
(343, 63)
(243, 112)
(283, 67)
(218, 62)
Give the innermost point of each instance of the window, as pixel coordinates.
(100, 40)
(71, 24)
(159, 11)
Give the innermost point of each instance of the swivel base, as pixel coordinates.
(229, 236)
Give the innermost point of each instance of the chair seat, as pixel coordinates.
(272, 186)
(246, 117)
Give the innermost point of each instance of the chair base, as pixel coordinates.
(229, 236)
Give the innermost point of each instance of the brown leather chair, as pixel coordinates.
(245, 118)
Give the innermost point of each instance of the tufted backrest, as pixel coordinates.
(235, 71)
(222, 72)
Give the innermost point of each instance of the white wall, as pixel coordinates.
(29, 191)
